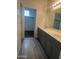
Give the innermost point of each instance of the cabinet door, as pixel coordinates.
(52, 48)
(41, 38)
(48, 47)
(55, 50)
(39, 35)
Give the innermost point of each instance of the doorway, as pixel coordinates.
(30, 20)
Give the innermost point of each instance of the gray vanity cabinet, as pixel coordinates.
(41, 38)
(49, 44)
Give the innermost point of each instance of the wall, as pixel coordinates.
(22, 22)
(18, 27)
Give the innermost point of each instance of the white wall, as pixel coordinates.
(18, 27)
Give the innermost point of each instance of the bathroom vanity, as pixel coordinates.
(50, 42)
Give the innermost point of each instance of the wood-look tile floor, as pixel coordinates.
(31, 49)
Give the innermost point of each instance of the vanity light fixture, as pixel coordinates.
(55, 4)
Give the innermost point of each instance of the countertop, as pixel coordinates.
(53, 32)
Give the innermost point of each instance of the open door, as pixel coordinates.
(30, 19)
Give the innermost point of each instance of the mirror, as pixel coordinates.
(54, 17)
(57, 19)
